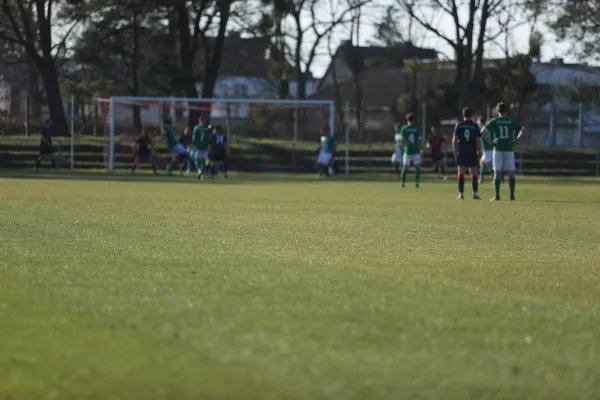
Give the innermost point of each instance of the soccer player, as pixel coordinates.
(410, 137)
(219, 150)
(503, 132)
(46, 148)
(327, 152)
(201, 140)
(143, 151)
(397, 156)
(435, 142)
(185, 141)
(486, 158)
(466, 143)
(177, 150)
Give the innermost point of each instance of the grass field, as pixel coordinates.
(288, 288)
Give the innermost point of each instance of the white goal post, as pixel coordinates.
(132, 100)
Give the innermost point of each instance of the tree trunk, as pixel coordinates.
(54, 97)
(186, 57)
(213, 64)
(137, 118)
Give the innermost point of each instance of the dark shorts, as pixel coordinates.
(46, 149)
(467, 160)
(144, 152)
(218, 156)
(437, 157)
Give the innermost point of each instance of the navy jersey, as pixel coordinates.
(219, 141)
(466, 133)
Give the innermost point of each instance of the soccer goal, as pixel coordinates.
(266, 135)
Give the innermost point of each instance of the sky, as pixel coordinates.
(552, 48)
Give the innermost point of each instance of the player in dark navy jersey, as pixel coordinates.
(466, 143)
(46, 147)
(218, 157)
(143, 152)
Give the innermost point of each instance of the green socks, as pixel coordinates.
(417, 174)
(170, 168)
(511, 184)
(481, 172)
(497, 183)
(403, 176)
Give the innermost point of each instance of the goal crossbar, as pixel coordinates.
(113, 100)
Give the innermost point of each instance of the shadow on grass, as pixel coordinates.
(237, 178)
(556, 201)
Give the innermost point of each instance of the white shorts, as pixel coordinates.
(487, 157)
(397, 156)
(414, 158)
(200, 154)
(178, 150)
(504, 160)
(324, 158)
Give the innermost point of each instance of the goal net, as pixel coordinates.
(265, 135)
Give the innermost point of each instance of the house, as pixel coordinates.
(13, 87)
(382, 87)
(349, 61)
(247, 70)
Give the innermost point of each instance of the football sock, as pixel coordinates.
(417, 174)
(403, 175)
(461, 183)
(320, 170)
(171, 166)
(502, 176)
(482, 171)
(53, 163)
(497, 183)
(511, 183)
(443, 169)
(475, 183)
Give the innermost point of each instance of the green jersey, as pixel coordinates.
(328, 144)
(502, 131)
(171, 139)
(411, 139)
(202, 137)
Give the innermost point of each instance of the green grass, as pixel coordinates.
(286, 288)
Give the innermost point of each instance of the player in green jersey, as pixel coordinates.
(397, 155)
(326, 153)
(177, 149)
(503, 131)
(201, 141)
(410, 138)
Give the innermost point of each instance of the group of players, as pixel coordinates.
(205, 151)
(499, 134)
(207, 148)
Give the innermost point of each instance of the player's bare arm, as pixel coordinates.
(486, 137)
(454, 145)
(520, 135)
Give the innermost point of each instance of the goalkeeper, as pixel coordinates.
(176, 149)
(201, 143)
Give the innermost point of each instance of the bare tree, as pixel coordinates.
(469, 35)
(32, 25)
